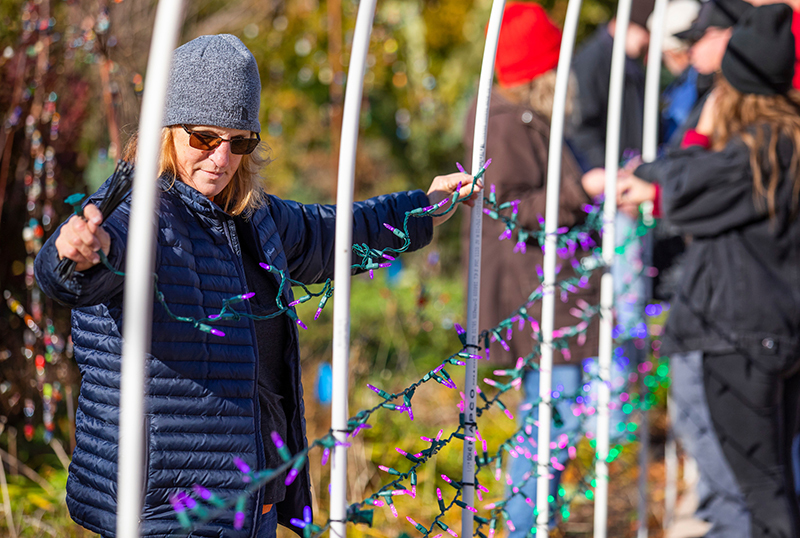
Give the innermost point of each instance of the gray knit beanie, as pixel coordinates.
(214, 81)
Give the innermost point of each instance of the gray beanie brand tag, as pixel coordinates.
(214, 81)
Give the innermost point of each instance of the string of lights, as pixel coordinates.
(405, 482)
(370, 260)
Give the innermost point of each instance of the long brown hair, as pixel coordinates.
(241, 196)
(760, 120)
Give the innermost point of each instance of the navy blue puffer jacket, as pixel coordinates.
(202, 406)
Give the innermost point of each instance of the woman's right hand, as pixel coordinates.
(82, 237)
(444, 187)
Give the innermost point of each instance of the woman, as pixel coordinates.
(734, 188)
(210, 399)
(518, 141)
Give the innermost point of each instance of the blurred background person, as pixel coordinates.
(708, 37)
(719, 499)
(592, 68)
(734, 189)
(680, 95)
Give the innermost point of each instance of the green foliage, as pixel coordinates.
(399, 326)
(38, 512)
(10, 22)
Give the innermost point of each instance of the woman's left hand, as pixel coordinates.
(444, 187)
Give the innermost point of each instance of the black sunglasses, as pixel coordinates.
(208, 141)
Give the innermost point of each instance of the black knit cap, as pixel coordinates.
(715, 14)
(760, 56)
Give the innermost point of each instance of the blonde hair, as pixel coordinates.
(539, 94)
(241, 196)
(760, 120)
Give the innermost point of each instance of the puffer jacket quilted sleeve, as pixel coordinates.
(308, 231)
(94, 285)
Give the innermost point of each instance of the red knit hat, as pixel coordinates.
(529, 44)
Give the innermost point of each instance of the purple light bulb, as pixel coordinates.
(238, 517)
(291, 476)
(202, 492)
(243, 467)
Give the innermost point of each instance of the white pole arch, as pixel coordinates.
(607, 281)
(649, 152)
(343, 262)
(138, 293)
(474, 278)
(549, 265)
(652, 82)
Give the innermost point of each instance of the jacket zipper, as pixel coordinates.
(230, 230)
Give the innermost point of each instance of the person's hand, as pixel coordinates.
(444, 187)
(81, 238)
(631, 192)
(594, 182)
(631, 164)
(705, 125)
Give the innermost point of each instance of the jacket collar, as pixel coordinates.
(190, 196)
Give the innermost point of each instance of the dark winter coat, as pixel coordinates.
(202, 402)
(517, 143)
(740, 289)
(592, 68)
(669, 247)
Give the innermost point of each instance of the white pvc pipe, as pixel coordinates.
(652, 83)
(343, 263)
(555, 151)
(649, 152)
(607, 281)
(138, 297)
(474, 283)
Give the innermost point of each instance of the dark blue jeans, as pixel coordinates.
(721, 502)
(268, 524)
(568, 379)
